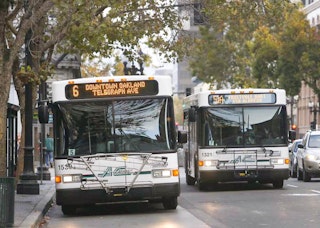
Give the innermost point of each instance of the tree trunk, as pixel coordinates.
(4, 87)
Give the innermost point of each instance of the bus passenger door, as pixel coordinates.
(192, 143)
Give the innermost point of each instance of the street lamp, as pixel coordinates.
(133, 70)
(28, 183)
(313, 107)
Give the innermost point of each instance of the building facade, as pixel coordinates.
(307, 107)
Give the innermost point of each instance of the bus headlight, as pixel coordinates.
(71, 178)
(277, 161)
(165, 173)
(208, 163)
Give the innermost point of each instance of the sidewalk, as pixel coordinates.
(30, 209)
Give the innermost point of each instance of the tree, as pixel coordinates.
(87, 27)
(264, 50)
(297, 39)
(239, 42)
(13, 28)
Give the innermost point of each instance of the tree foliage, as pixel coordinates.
(255, 43)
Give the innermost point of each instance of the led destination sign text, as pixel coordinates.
(109, 89)
(261, 98)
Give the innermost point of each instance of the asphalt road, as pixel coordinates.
(226, 205)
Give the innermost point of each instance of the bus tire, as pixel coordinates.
(201, 185)
(170, 203)
(190, 180)
(68, 210)
(278, 184)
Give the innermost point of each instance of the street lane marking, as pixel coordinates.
(293, 186)
(302, 194)
(316, 191)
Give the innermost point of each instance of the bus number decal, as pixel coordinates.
(207, 154)
(65, 167)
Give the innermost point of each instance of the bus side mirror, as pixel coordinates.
(182, 137)
(43, 113)
(192, 114)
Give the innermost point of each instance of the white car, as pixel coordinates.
(293, 149)
(308, 156)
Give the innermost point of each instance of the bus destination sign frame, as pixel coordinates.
(242, 98)
(111, 89)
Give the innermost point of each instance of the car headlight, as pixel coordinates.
(311, 157)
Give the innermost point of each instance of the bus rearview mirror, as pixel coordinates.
(43, 113)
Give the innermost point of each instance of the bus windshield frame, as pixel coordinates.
(137, 124)
(243, 126)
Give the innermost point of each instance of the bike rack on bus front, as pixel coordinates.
(87, 163)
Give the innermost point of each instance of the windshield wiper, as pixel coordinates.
(129, 139)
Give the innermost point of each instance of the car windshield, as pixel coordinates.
(314, 141)
(244, 126)
(140, 125)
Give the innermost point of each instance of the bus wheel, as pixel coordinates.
(170, 203)
(190, 180)
(68, 210)
(278, 184)
(201, 186)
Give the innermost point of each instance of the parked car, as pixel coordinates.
(293, 148)
(308, 156)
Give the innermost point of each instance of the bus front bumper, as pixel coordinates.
(100, 196)
(263, 176)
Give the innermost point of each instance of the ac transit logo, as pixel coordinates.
(119, 171)
(106, 173)
(246, 158)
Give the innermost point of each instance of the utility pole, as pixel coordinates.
(28, 183)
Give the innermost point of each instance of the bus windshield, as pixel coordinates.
(105, 126)
(244, 126)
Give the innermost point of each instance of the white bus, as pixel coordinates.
(236, 135)
(115, 141)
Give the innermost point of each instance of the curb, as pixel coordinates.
(34, 219)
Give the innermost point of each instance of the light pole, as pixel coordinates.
(314, 108)
(133, 70)
(28, 183)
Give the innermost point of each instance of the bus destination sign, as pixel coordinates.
(252, 98)
(111, 89)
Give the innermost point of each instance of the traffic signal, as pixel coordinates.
(313, 125)
(293, 127)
